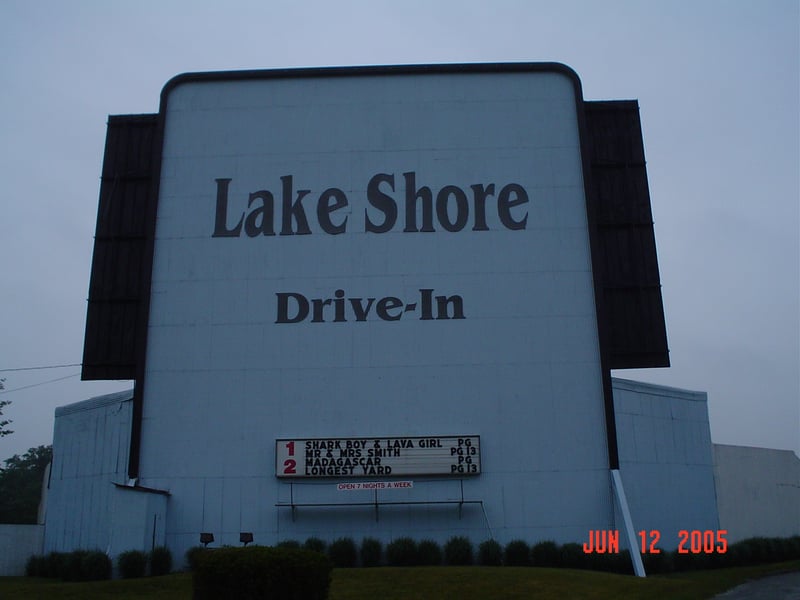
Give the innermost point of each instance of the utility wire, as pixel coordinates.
(39, 368)
(25, 387)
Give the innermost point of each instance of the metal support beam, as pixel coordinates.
(619, 492)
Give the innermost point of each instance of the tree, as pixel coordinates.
(4, 422)
(21, 485)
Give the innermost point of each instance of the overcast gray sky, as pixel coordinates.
(718, 83)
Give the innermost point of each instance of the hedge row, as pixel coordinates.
(404, 551)
(134, 563)
(257, 572)
(79, 565)
(90, 565)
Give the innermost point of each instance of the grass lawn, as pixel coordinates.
(435, 583)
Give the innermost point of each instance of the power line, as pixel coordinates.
(39, 368)
(25, 387)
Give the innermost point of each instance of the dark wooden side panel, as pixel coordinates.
(118, 270)
(631, 287)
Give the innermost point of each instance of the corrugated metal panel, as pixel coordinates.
(118, 267)
(90, 453)
(631, 285)
(96, 402)
(665, 455)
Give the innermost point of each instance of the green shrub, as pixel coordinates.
(545, 554)
(765, 550)
(78, 565)
(315, 545)
(517, 554)
(790, 548)
(684, 562)
(73, 565)
(342, 553)
(288, 544)
(259, 572)
(95, 566)
(612, 562)
(132, 564)
(783, 548)
(429, 553)
(758, 550)
(402, 552)
(572, 556)
(752, 551)
(160, 561)
(458, 551)
(656, 563)
(36, 566)
(193, 555)
(689, 561)
(55, 567)
(794, 545)
(621, 563)
(490, 554)
(738, 555)
(370, 552)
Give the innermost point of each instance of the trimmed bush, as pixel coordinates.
(132, 564)
(655, 563)
(572, 556)
(783, 548)
(55, 565)
(490, 554)
(612, 563)
(342, 553)
(545, 554)
(73, 568)
(371, 551)
(315, 545)
(751, 551)
(193, 555)
(429, 553)
(160, 561)
(794, 547)
(78, 565)
(402, 552)
(517, 554)
(621, 563)
(686, 562)
(763, 550)
(36, 566)
(791, 547)
(95, 566)
(738, 555)
(260, 572)
(458, 551)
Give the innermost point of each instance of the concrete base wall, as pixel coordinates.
(758, 491)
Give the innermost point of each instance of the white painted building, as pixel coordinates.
(665, 455)
(758, 491)
(409, 280)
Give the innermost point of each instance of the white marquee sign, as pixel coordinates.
(387, 456)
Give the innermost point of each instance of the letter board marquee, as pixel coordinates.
(378, 456)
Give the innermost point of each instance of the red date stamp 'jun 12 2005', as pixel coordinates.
(695, 541)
